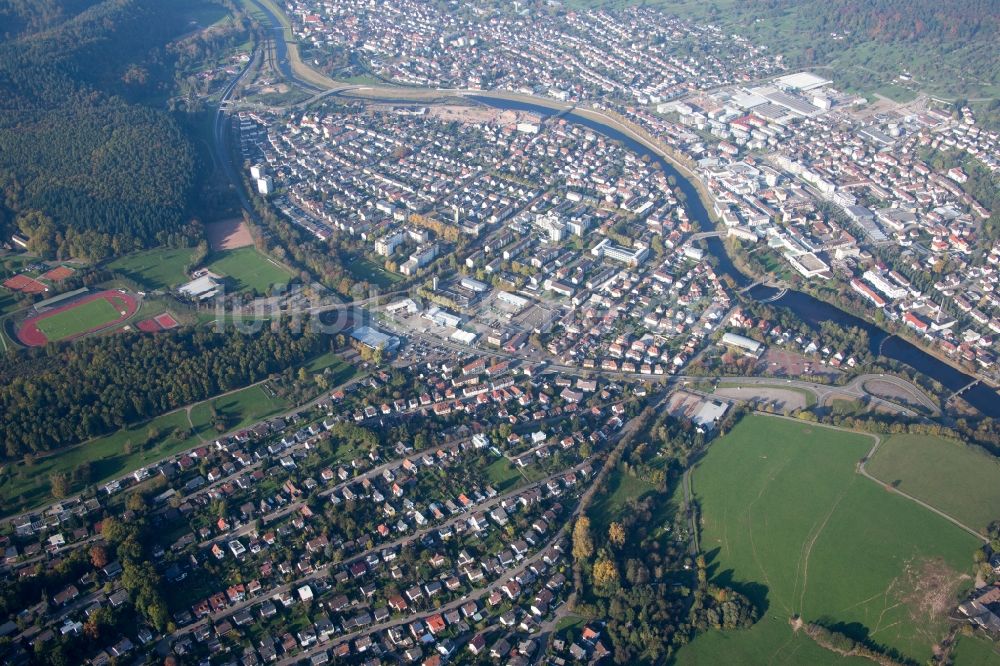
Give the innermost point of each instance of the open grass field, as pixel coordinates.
(787, 520)
(238, 409)
(23, 487)
(248, 269)
(204, 14)
(955, 478)
(107, 456)
(333, 368)
(155, 269)
(26, 487)
(622, 489)
(369, 271)
(570, 626)
(8, 302)
(975, 651)
(75, 321)
(502, 475)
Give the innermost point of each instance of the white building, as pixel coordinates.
(386, 246)
(880, 283)
(423, 256)
(631, 256)
(752, 347)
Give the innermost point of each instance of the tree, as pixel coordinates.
(583, 544)
(605, 574)
(616, 534)
(98, 556)
(60, 485)
(135, 502)
(113, 530)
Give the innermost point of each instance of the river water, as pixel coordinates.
(806, 307)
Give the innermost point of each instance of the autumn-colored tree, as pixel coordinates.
(616, 534)
(605, 573)
(583, 544)
(60, 485)
(98, 556)
(113, 530)
(135, 502)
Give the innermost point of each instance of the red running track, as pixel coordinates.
(29, 333)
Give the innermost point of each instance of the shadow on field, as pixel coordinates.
(752, 590)
(853, 630)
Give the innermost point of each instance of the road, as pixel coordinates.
(321, 571)
(908, 387)
(221, 124)
(855, 388)
(622, 437)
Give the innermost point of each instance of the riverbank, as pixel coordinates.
(699, 206)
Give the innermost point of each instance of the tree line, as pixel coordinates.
(640, 580)
(59, 396)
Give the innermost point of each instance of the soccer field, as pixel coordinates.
(155, 269)
(788, 520)
(79, 319)
(249, 269)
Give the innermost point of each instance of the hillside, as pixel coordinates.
(89, 165)
(946, 47)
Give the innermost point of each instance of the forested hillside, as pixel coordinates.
(947, 47)
(63, 395)
(83, 145)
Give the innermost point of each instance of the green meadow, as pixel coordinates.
(787, 520)
(951, 476)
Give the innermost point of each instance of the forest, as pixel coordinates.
(89, 166)
(947, 46)
(63, 395)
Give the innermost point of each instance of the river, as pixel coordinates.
(808, 308)
(281, 58)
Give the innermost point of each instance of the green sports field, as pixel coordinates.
(248, 269)
(949, 475)
(787, 520)
(79, 319)
(156, 269)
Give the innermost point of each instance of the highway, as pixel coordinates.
(220, 131)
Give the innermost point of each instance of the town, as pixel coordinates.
(868, 200)
(534, 333)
